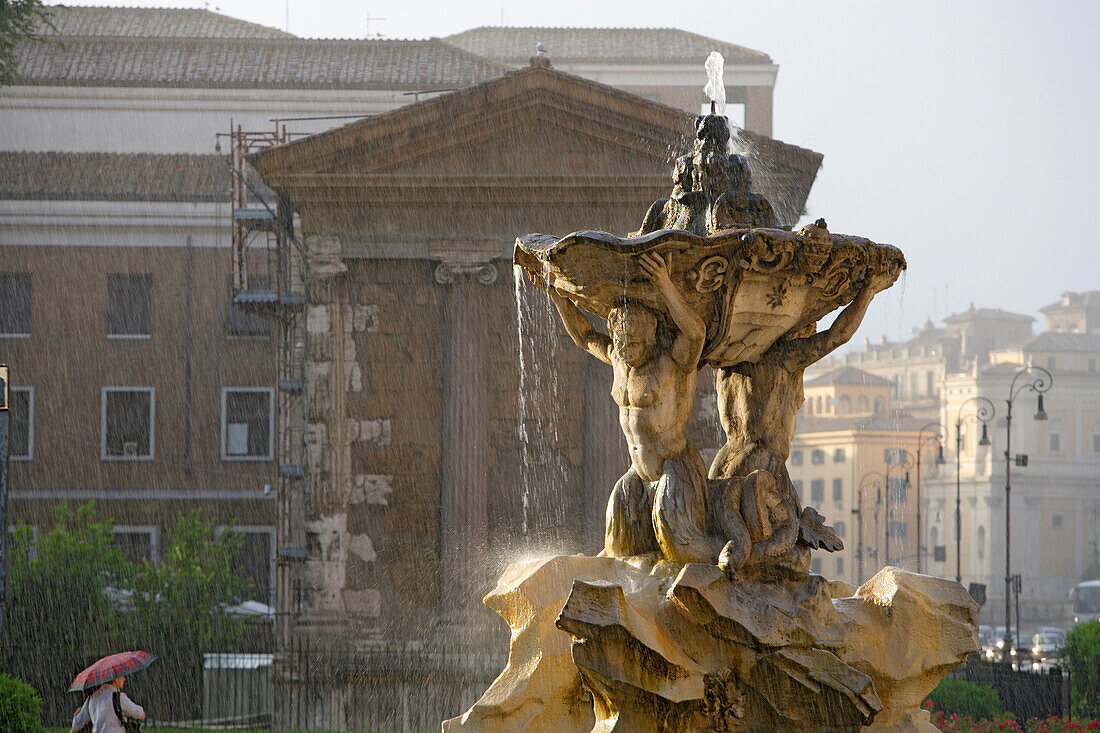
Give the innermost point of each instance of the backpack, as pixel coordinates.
(131, 726)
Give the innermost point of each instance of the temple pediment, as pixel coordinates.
(500, 157)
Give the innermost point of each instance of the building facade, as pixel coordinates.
(142, 382)
(418, 229)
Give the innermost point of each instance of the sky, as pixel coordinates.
(963, 132)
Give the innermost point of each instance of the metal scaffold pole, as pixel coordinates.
(3, 495)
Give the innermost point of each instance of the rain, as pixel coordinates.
(321, 402)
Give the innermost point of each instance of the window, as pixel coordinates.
(899, 490)
(840, 566)
(839, 456)
(796, 458)
(893, 456)
(981, 542)
(1092, 365)
(880, 405)
(862, 406)
(247, 423)
(21, 424)
(129, 306)
(845, 404)
(817, 457)
(1056, 521)
(839, 528)
(930, 383)
(126, 423)
(256, 559)
(838, 490)
(798, 490)
(1054, 435)
(15, 304)
(137, 543)
(899, 529)
(817, 490)
(1096, 442)
(241, 323)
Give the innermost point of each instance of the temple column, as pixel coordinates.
(464, 536)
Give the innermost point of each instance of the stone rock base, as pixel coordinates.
(601, 644)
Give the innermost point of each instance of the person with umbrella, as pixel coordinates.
(107, 708)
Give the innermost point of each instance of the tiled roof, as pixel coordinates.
(1059, 341)
(284, 63)
(899, 421)
(847, 375)
(113, 177)
(155, 23)
(621, 45)
(1088, 300)
(989, 314)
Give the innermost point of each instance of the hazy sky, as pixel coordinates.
(963, 132)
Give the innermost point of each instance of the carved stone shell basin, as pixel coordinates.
(750, 286)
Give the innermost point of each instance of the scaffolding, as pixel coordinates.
(268, 280)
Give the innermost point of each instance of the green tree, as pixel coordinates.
(19, 706)
(74, 598)
(59, 619)
(1081, 655)
(20, 20)
(179, 612)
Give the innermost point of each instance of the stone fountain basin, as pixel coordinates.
(750, 286)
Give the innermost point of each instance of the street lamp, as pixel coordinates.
(983, 413)
(1038, 383)
(881, 482)
(937, 436)
(876, 475)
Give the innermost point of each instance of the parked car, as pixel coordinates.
(996, 649)
(1045, 644)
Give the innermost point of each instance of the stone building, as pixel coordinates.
(853, 459)
(916, 367)
(108, 169)
(1055, 498)
(110, 195)
(136, 382)
(407, 222)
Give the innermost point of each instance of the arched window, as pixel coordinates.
(862, 405)
(933, 536)
(845, 404)
(1094, 436)
(880, 406)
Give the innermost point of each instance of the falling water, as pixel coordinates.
(543, 472)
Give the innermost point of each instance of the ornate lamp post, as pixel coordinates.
(876, 483)
(881, 483)
(1038, 381)
(938, 437)
(983, 413)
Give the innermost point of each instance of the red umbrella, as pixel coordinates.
(110, 668)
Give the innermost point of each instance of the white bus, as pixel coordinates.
(1086, 601)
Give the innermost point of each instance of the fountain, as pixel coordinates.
(700, 613)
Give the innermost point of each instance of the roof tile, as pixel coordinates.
(288, 63)
(113, 176)
(155, 23)
(622, 45)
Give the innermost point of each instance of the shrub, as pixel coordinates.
(20, 706)
(959, 697)
(1081, 656)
